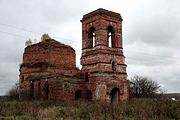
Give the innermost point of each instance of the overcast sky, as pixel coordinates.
(151, 34)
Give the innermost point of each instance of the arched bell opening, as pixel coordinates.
(110, 36)
(91, 37)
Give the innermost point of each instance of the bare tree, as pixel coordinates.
(143, 87)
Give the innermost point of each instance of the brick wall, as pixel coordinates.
(49, 70)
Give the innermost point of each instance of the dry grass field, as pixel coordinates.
(134, 109)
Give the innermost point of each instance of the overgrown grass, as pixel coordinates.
(134, 109)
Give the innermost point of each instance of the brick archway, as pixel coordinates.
(115, 95)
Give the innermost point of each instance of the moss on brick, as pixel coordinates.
(36, 65)
(50, 75)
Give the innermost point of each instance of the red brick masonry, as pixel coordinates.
(49, 70)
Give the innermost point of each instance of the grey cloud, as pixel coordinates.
(167, 76)
(156, 24)
(58, 13)
(141, 53)
(152, 41)
(8, 76)
(21, 20)
(159, 32)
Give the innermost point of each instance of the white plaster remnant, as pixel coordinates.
(100, 91)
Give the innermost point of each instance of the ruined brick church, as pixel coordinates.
(49, 71)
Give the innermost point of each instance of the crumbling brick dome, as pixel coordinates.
(47, 57)
(50, 51)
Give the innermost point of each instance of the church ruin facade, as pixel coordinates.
(49, 71)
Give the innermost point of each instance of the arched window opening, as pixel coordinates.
(113, 65)
(46, 90)
(86, 76)
(110, 36)
(91, 37)
(78, 94)
(110, 39)
(115, 94)
(32, 90)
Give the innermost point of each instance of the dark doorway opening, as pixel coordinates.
(78, 94)
(115, 95)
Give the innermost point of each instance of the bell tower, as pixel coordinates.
(102, 52)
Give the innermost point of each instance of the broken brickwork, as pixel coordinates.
(49, 70)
